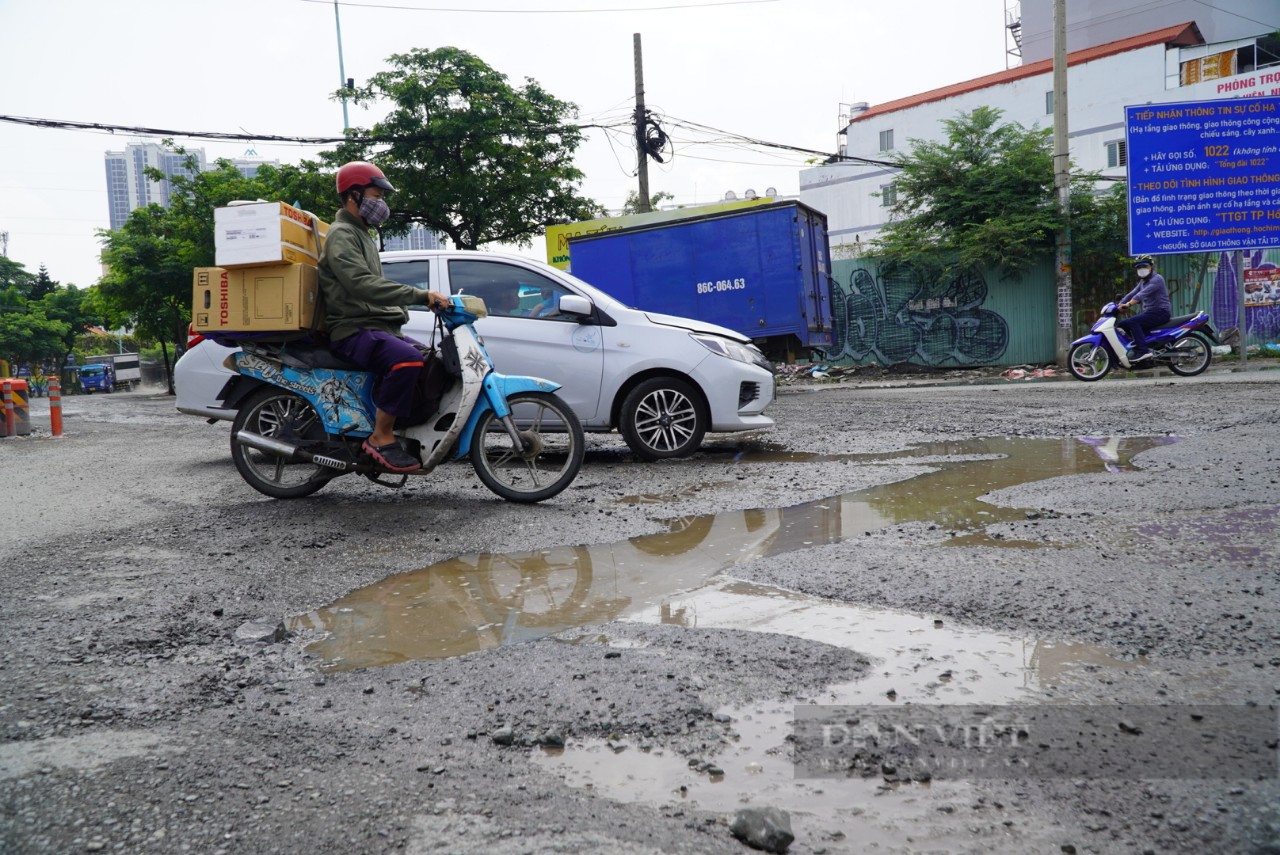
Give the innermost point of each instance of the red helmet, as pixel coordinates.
(360, 173)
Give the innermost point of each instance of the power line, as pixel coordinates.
(59, 124)
(351, 5)
(685, 123)
(1237, 14)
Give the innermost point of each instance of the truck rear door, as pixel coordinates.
(815, 272)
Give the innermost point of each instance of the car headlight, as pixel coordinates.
(747, 353)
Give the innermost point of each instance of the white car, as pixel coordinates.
(662, 381)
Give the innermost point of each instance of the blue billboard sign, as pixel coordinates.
(1204, 176)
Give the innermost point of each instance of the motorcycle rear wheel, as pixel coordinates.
(551, 459)
(1190, 355)
(275, 413)
(1089, 362)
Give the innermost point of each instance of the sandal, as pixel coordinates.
(391, 456)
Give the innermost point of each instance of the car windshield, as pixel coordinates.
(415, 273)
(597, 296)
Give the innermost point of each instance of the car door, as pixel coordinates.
(524, 333)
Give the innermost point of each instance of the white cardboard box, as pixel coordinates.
(258, 233)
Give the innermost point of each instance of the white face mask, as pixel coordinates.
(1144, 272)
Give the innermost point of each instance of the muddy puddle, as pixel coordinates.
(478, 601)
(916, 659)
(684, 577)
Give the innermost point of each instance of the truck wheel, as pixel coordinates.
(663, 418)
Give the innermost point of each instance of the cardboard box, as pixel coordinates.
(258, 233)
(275, 298)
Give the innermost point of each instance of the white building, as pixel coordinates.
(419, 237)
(1166, 65)
(128, 186)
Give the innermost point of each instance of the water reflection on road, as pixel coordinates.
(484, 600)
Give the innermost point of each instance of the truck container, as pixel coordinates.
(762, 271)
(110, 372)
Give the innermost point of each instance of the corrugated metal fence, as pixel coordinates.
(883, 316)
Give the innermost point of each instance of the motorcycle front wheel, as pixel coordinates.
(1089, 362)
(1190, 355)
(552, 453)
(284, 416)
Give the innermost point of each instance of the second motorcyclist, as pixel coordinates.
(1153, 295)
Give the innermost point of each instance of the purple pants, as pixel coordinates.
(1142, 323)
(391, 357)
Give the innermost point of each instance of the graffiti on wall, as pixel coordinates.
(896, 316)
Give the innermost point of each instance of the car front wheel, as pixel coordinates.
(663, 418)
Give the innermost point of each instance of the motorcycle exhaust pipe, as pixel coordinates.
(288, 451)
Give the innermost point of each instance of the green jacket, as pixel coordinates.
(356, 295)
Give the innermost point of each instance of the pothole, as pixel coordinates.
(916, 659)
(485, 600)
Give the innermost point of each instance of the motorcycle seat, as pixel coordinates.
(1178, 321)
(307, 355)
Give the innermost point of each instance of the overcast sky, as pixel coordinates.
(776, 70)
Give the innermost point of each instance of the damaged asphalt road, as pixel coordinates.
(138, 714)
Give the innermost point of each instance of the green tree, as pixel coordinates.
(70, 305)
(16, 283)
(188, 221)
(1100, 264)
(983, 197)
(149, 261)
(308, 186)
(472, 156)
(42, 286)
(30, 337)
(632, 205)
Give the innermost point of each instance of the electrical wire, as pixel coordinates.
(223, 135)
(1237, 14)
(351, 5)
(685, 123)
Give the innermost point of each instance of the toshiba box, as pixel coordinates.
(276, 298)
(257, 233)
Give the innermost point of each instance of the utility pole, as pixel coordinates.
(1237, 259)
(642, 154)
(1062, 180)
(342, 72)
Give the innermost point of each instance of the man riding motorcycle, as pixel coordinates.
(1153, 295)
(365, 311)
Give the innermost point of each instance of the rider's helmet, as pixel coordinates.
(361, 173)
(1144, 261)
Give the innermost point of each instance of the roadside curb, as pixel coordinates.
(793, 385)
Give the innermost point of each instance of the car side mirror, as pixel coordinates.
(572, 304)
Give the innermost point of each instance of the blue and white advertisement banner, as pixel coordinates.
(1204, 176)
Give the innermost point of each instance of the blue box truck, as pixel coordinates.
(763, 271)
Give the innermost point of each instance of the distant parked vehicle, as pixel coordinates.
(763, 272)
(110, 372)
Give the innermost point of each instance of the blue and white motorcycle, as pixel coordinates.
(302, 415)
(1184, 345)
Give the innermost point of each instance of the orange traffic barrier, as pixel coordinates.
(9, 429)
(55, 406)
(17, 414)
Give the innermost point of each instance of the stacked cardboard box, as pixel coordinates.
(257, 233)
(279, 298)
(266, 278)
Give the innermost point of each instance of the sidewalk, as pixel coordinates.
(908, 376)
